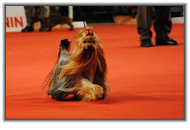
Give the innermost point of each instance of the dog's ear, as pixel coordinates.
(65, 44)
(79, 34)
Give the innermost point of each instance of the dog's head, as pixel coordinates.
(88, 55)
(87, 41)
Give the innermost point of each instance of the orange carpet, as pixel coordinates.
(147, 83)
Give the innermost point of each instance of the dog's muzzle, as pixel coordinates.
(90, 47)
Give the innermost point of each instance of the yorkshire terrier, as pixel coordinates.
(83, 72)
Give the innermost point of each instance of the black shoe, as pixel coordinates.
(165, 41)
(28, 29)
(43, 29)
(146, 43)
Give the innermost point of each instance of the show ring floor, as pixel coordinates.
(147, 83)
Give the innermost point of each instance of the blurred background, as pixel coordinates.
(16, 18)
(105, 14)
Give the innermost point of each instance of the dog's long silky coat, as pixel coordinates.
(82, 73)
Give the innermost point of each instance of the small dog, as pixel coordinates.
(82, 73)
(50, 22)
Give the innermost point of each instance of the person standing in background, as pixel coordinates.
(35, 10)
(162, 25)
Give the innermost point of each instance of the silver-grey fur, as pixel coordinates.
(58, 89)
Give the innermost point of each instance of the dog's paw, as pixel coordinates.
(91, 93)
(98, 91)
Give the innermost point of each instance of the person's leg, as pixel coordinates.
(163, 25)
(44, 12)
(29, 11)
(144, 21)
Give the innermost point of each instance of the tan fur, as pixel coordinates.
(88, 91)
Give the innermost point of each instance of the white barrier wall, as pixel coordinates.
(15, 18)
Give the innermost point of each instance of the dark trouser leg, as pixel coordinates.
(163, 24)
(44, 12)
(144, 22)
(29, 11)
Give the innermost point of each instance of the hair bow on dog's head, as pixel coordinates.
(89, 32)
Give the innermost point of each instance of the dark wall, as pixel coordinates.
(104, 14)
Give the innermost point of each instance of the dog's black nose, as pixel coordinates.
(90, 47)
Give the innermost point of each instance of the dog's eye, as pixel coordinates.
(94, 41)
(84, 41)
